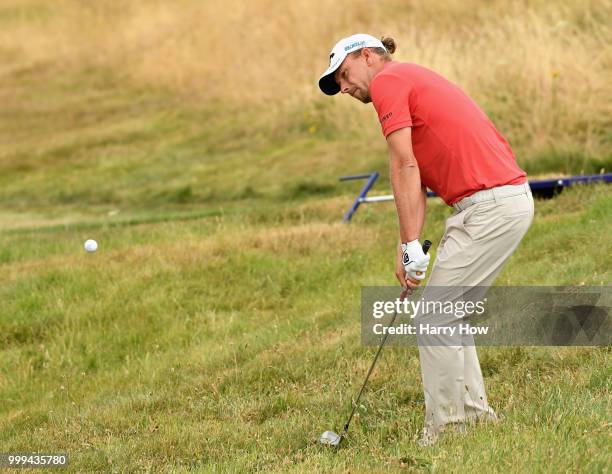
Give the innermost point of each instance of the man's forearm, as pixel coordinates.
(423, 207)
(410, 198)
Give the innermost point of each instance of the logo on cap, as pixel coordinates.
(354, 45)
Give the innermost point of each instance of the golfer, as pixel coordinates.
(438, 138)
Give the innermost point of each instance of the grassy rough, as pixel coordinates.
(176, 347)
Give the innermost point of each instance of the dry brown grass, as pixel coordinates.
(540, 68)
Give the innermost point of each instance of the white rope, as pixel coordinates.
(388, 197)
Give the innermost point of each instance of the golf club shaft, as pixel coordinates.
(426, 246)
(382, 343)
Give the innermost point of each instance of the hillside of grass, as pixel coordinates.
(150, 109)
(178, 348)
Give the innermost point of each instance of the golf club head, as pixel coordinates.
(329, 438)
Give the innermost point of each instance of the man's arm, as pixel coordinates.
(410, 196)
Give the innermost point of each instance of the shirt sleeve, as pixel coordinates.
(390, 96)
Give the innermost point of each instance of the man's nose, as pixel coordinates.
(344, 88)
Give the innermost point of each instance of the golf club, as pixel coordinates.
(330, 438)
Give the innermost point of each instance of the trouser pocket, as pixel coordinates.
(496, 218)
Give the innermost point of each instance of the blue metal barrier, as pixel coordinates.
(539, 187)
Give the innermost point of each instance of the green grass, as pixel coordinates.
(94, 142)
(217, 327)
(180, 346)
(110, 143)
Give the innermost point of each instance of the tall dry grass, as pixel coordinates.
(541, 69)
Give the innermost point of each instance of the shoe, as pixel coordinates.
(428, 438)
(459, 428)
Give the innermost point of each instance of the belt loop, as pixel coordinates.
(495, 195)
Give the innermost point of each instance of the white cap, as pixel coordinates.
(327, 83)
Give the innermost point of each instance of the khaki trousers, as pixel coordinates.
(479, 237)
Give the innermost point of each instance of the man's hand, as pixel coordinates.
(400, 272)
(415, 262)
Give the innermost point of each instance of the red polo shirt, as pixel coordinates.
(458, 149)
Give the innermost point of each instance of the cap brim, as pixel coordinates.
(328, 84)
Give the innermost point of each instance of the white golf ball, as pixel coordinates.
(91, 245)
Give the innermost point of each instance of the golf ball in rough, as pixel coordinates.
(91, 245)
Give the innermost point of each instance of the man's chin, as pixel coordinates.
(366, 99)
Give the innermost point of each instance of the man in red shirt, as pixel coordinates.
(438, 138)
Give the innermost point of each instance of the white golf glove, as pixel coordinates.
(414, 260)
